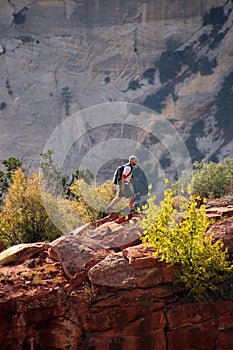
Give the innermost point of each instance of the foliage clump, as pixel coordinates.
(23, 217)
(35, 208)
(215, 17)
(87, 200)
(217, 39)
(11, 165)
(210, 179)
(149, 74)
(66, 96)
(3, 105)
(203, 38)
(51, 174)
(172, 60)
(183, 243)
(213, 179)
(169, 63)
(206, 66)
(107, 79)
(134, 85)
(92, 198)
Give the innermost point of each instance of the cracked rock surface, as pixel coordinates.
(84, 292)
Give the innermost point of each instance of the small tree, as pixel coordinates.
(66, 95)
(23, 217)
(84, 174)
(11, 165)
(55, 182)
(200, 263)
(51, 174)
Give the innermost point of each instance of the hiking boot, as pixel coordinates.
(132, 211)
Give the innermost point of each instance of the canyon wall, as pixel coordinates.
(60, 57)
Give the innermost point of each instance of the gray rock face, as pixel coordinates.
(59, 57)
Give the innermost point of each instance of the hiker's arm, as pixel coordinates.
(123, 177)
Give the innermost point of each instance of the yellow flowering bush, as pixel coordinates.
(179, 237)
(23, 217)
(92, 198)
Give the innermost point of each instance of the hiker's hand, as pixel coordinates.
(123, 186)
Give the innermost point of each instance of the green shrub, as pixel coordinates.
(205, 66)
(11, 165)
(169, 65)
(210, 180)
(84, 174)
(215, 17)
(189, 59)
(107, 80)
(3, 105)
(149, 74)
(20, 17)
(198, 128)
(213, 179)
(23, 218)
(203, 38)
(66, 96)
(92, 198)
(51, 174)
(217, 39)
(172, 60)
(201, 264)
(157, 101)
(134, 85)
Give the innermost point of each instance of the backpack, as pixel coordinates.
(118, 173)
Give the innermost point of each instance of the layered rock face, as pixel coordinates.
(59, 57)
(95, 13)
(98, 288)
(104, 13)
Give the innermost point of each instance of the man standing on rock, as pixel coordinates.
(125, 185)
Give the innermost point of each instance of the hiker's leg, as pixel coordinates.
(131, 203)
(114, 201)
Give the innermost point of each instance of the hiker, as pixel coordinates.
(125, 185)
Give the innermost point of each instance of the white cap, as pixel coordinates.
(133, 158)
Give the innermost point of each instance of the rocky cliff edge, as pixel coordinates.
(99, 288)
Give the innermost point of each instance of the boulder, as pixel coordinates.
(116, 271)
(224, 232)
(117, 235)
(77, 253)
(21, 252)
(84, 247)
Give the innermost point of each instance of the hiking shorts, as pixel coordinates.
(127, 193)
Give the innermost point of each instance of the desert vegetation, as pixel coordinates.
(178, 234)
(176, 226)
